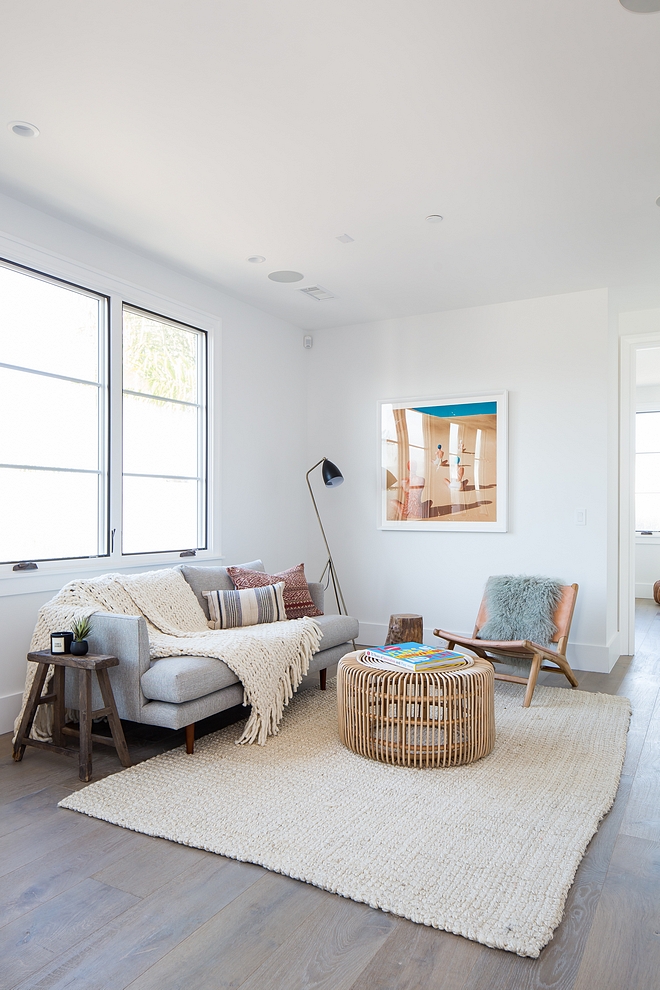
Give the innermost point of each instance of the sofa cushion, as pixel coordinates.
(317, 594)
(336, 629)
(178, 679)
(297, 599)
(203, 579)
(250, 607)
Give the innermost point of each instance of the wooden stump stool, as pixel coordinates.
(405, 627)
(91, 663)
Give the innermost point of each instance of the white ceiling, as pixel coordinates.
(204, 132)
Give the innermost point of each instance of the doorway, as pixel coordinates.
(639, 526)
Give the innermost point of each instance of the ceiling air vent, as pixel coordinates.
(317, 292)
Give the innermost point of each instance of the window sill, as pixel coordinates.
(52, 575)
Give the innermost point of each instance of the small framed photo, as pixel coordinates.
(443, 463)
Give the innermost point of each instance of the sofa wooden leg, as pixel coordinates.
(322, 676)
(190, 738)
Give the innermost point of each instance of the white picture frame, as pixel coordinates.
(443, 463)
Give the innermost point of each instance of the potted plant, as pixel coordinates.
(81, 629)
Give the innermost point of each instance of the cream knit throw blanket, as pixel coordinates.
(270, 660)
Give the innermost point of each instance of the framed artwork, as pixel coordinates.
(443, 463)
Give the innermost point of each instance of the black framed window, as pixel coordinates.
(164, 443)
(53, 418)
(103, 424)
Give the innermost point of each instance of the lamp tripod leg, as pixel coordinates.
(339, 597)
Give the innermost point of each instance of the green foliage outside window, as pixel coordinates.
(159, 358)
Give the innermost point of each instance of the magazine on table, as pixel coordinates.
(417, 656)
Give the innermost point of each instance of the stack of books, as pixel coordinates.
(416, 656)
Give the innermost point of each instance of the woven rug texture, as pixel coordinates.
(487, 851)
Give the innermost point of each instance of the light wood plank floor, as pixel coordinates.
(87, 905)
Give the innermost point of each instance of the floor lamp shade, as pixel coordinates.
(332, 476)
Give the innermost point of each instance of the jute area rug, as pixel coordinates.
(487, 851)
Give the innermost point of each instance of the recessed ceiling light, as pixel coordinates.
(345, 238)
(434, 218)
(21, 128)
(641, 6)
(285, 276)
(256, 259)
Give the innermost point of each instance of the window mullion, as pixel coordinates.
(202, 442)
(159, 398)
(115, 419)
(103, 507)
(48, 374)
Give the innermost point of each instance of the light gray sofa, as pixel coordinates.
(176, 692)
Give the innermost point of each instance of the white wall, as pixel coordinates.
(262, 417)
(647, 566)
(553, 356)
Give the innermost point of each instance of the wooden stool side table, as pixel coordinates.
(87, 665)
(405, 627)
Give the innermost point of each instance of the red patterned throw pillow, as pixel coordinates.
(297, 599)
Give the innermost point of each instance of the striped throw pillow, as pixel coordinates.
(229, 609)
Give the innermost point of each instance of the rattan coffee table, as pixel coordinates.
(439, 718)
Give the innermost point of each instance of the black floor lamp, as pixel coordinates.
(332, 477)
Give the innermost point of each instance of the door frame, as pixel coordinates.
(629, 345)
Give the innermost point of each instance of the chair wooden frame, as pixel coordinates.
(498, 651)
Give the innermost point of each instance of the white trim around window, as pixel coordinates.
(54, 573)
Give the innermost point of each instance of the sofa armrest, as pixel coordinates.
(317, 594)
(125, 637)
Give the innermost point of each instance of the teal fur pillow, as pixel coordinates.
(521, 607)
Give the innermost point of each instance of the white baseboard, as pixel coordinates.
(10, 706)
(589, 657)
(616, 647)
(643, 590)
(581, 656)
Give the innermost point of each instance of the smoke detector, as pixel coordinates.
(317, 292)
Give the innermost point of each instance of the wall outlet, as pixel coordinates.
(580, 517)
